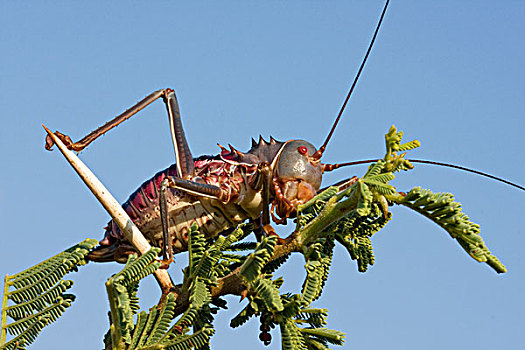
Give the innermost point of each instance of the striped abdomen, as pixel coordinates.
(212, 216)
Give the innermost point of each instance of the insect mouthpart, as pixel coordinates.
(294, 193)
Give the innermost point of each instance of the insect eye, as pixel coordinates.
(302, 150)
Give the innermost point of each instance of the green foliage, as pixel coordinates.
(318, 261)
(290, 314)
(291, 337)
(268, 293)
(152, 330)
(137, 268)
(307, 212)
(314, 281)
(243, 316)
(255, 262)
(36, 297)
(197, 251)
(315, 317)
(355, 231)
(274, 264)
(350, 214)
(444, 211)
(323, 336)
(198, 340)
(122, 289)
(394, 145)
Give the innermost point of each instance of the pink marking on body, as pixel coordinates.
(158, 179)
(200, 163)
(150, 190)
(138, 201)
(130, 210)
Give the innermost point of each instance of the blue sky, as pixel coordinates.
(448, 73)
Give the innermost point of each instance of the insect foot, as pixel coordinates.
(66, 140)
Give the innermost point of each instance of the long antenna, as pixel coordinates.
(468, 170)
(330, 167)
(319, 153)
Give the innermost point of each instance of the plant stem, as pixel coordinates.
(116, 333)
(3, 334)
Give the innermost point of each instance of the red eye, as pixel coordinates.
(302, 150)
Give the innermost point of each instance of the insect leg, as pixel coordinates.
(199, 189)
(265, 172)
(167, 247)
(83, 143)
(183, 154)
(195, 188)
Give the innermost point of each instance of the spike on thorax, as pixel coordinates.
(233, 150)
(262, 151)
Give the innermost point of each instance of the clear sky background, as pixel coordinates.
(449, 73)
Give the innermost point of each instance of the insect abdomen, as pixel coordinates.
(211, 215)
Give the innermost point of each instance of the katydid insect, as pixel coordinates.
(266, 183)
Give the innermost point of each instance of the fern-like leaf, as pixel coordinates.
(200, 295)
(38, 295)
(268, 293)
(196, 247)
(315, 317)
(409, 146)
(243, 316)
(195, 341)
(255, 262)
(291, 336)
(165, 315)
(122, 289)
(329, 335)
(138, 330)
(365, 200)
(138, 268)
(444, 211)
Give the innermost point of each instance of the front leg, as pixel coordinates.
(195, 188)
(265, 173)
